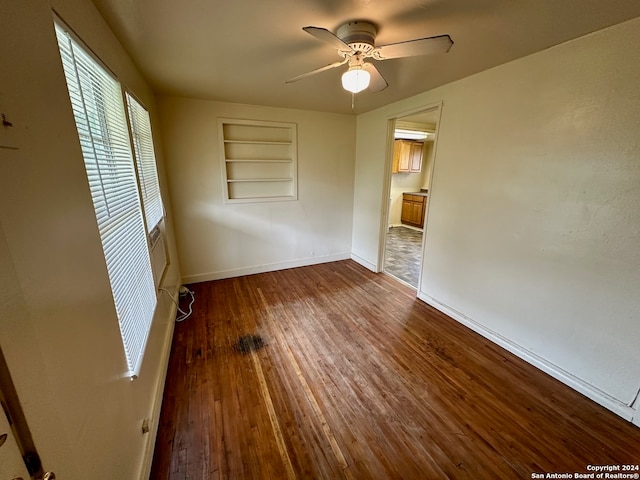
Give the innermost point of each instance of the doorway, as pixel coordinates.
(409, 192)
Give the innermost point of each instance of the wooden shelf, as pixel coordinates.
(257, 142)
(238, 180)
(259, 160)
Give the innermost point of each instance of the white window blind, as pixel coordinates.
(146, 162)
(98, 108)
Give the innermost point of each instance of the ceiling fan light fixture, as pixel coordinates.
(355, 79)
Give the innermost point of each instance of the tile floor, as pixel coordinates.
(402, 254)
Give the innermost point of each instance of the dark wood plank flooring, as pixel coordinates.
(358, 379)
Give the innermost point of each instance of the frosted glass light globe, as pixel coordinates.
(355, 79)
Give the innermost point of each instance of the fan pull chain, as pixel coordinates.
(353, 101)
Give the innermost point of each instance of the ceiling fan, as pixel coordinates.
(355, 42)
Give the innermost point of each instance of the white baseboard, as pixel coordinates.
(635, 406)
(588, 390)
(145, 470)
(364, 263)
(269, 267)
(410, 227)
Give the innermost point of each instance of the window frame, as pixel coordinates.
(104, 135)
(141, 135)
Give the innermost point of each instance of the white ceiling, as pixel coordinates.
(243, 50)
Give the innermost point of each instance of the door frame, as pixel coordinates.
(12, 408)
(386, 192)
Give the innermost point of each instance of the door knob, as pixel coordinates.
(49, 476)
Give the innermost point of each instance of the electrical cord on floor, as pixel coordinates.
(183, 290)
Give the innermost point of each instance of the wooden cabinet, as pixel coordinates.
(413, 209)
(407, 156)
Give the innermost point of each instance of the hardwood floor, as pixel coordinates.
(358, 379)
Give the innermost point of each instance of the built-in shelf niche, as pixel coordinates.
(259, 160)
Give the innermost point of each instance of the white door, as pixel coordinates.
(11, 465)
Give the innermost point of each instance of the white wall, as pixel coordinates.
(58, 327)
(427, 165)
(217, 240)
(533, 227)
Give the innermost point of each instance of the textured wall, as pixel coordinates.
(533, 228)
(218, 240)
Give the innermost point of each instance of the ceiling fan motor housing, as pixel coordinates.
(355, 42)
(359, 35)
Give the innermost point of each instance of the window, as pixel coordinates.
(98, 108)
(146, 162)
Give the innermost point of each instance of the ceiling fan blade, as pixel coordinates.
(377, 83)
(328, 37)
(422, 46)
(317, 70)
